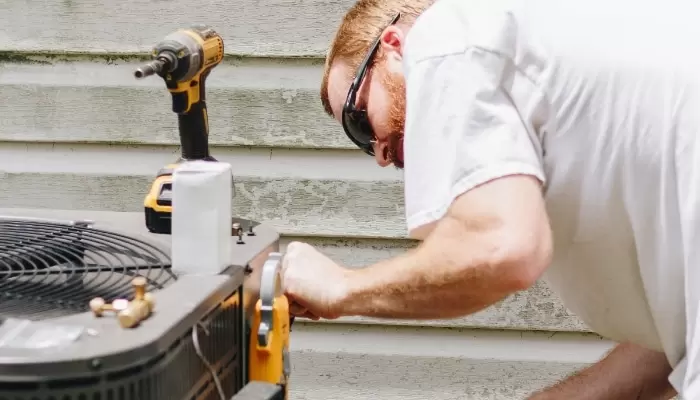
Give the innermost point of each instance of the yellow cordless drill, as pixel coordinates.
(184, 60)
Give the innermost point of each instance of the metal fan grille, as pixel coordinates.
(50, 269)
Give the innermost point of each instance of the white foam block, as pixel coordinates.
(201, 217)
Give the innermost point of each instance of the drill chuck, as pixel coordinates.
(148, 69)
(184, 58)
(164, 62)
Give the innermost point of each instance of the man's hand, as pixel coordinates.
(313, 283)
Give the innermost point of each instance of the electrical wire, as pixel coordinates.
(198, 350)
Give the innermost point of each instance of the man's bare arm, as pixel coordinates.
(494, 240)
(628, 372)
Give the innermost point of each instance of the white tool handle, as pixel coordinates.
(270, 288)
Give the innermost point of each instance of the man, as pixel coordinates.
(540, 138)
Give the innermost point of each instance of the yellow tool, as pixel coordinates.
(184, 60)
(268, 359)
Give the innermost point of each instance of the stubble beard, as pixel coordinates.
(396, 86)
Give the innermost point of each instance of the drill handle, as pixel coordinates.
(194, 132)
(193, 123)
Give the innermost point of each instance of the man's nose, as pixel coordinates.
(381, 154)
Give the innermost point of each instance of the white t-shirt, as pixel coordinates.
(598, 99)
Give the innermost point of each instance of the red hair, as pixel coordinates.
(360, 26)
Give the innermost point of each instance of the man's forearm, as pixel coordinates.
(413, 287)
(459, 275)
(628, 372)
(483, 249)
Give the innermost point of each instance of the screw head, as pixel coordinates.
(95, 363)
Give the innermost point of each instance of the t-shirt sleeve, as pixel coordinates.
(462, 129)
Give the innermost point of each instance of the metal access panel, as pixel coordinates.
(52, 345)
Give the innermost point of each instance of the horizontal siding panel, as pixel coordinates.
(250, 27)
(294, 206)
(422, 341)
(298, 193)
(323, 376)
(341, 376)
(534, 309)
(360, 363)
(266, 103)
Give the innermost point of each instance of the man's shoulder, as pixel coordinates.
(452, 26)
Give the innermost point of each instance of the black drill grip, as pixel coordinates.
(194, 132)
(193, 124)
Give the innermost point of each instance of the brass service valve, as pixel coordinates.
(129, 313)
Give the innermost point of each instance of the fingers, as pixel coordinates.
(297, 309)
(300, 311)
(295, 254)
(311, 316)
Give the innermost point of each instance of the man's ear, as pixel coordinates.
(391, 42)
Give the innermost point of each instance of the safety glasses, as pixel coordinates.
(355, 121)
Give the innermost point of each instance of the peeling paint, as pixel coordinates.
(68, 56)
(127, 26)
(16, 57)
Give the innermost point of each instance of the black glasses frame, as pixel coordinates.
(355, 121)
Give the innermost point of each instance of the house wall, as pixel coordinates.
(77, 131)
